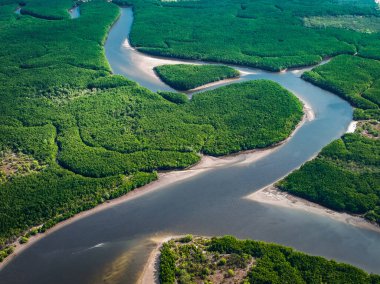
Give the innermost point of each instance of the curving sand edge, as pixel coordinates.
(273, 196)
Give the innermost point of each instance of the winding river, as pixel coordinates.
(111, 246)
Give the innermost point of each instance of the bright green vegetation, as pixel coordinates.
(184, 77)
(6, 252)
(353, 78)
(247, 32)
(345, 177)
(352, 22)
(86, 136)
(228, 260)
(248, 115)
(177, 98)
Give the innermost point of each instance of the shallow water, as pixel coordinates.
(112, 246)
(74, 12)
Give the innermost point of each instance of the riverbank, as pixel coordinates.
(273, 196)
(234, 264)
(150, 273)
(352, 127)
(212, 84)
(164, 179)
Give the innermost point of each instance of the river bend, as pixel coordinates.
(111, 246)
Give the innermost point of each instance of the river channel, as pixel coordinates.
(111, 246)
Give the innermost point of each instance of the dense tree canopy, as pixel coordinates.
(268, 34)
(355, 79)
(201, 259)
(96, 136)
(345, 177)
(184, 77)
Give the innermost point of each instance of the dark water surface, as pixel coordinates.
(112, 246)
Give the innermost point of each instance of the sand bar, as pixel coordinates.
(273, 196)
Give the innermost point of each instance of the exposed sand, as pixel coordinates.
(147, 63)
(273, 196)
(352, 126)
(212, 84)
(150, 273)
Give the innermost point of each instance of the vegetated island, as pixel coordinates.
(192, 259)
(74, 136)
(184, 77)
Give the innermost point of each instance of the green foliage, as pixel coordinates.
(167, 265)
(55, 195)
(345, 176)
(99, 162)
(253, 114)
(177, 98)
(186, 239)
(272, 263)
(230, 273)
(23, 240)
(222, 262)
(60, 104)
(56, 10)
(89, 129)
(247, 32)
(110, 82)
(37, 141)
(6, 252)
(353, 78)
(194, 263)
(184, 77)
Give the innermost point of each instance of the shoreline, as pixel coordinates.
(275, 197)
(353, 125)
(150, 272)
(272, 196)
(165, 178)
(212, 84)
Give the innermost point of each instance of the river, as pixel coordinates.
(111, 246)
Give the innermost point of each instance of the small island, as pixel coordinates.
(191, 259)
(184, 77)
